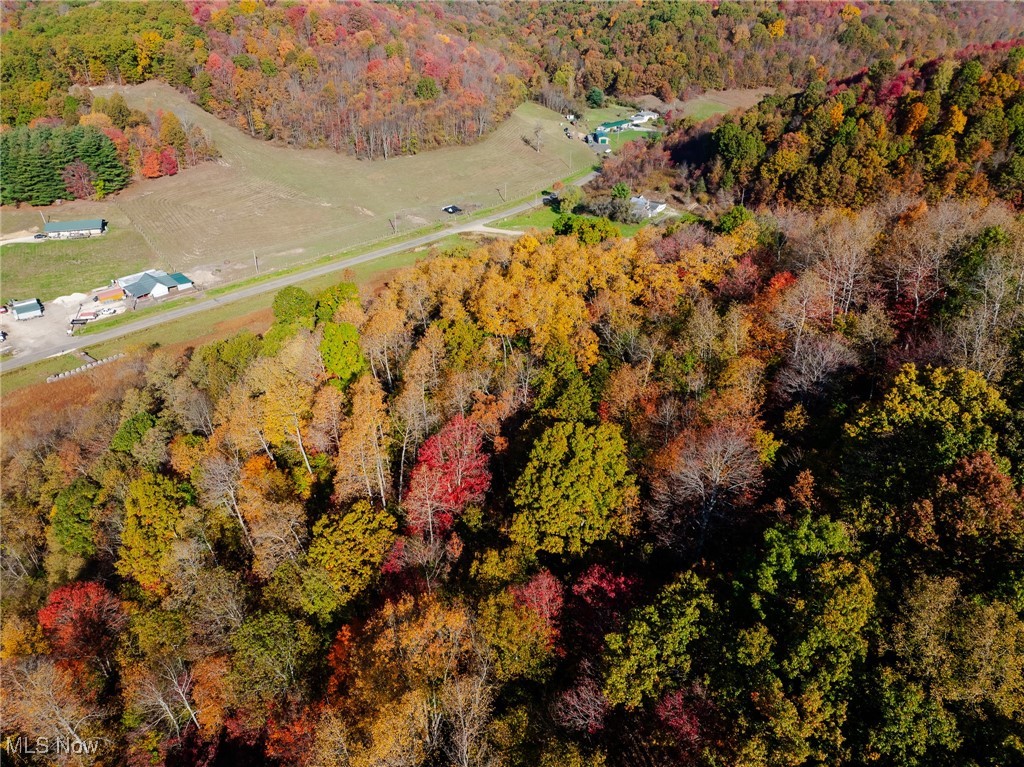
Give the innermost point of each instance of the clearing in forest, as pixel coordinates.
(284, 205)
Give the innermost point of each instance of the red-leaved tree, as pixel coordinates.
(451, 473)
(151, 165)
(543, 595)
(79, 180)
(81, 621)
(168, 161)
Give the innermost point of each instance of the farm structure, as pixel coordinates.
(154, 283)
(71, 230)
(110, 295)
(614, 127)
(26, 310)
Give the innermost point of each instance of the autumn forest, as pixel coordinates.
(744, 489)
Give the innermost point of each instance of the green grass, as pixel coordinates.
(539, 218)
(605, 114)
(616, 140)
(48, 269)
(38, 372)
(630, 230)
(706, 109)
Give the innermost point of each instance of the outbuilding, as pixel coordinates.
(153, 282)
(73, 230)
(614, 127)
(110, 295)
(183, 282)
(26, 310)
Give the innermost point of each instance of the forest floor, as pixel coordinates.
(271, 202)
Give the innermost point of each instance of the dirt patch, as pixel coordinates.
(18, 234)
(258, 322)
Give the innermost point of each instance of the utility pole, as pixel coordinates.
(256, 261)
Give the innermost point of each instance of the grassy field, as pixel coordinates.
(595, 117)
(539, 218)
(286, 206)
(719, 102)
(616, 140)
(46, 269)
(39, 372)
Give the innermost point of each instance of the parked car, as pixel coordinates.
(39, 236)
(452, 209)
(106, 310)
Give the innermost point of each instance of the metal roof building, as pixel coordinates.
(68, 229)
(26, 310)
(153, 283)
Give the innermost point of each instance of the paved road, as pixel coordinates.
(70, 343)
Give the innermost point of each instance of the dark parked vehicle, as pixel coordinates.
(39, 236)
(452, 209)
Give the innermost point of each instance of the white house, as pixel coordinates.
(646, 208)
(73, 230)
(641, 117)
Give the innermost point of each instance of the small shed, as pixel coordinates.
(69, 230)
(109, 295)
(26, 310)
(183, 282)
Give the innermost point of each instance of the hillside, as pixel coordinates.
(286, 206)
(380, 79)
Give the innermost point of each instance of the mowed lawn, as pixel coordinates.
(48, 269)
(281, 205)
(720, 102)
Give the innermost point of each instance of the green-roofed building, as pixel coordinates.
(73, 230)
(614, 127)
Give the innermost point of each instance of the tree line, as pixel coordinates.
(97, 156)
(382, 79)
